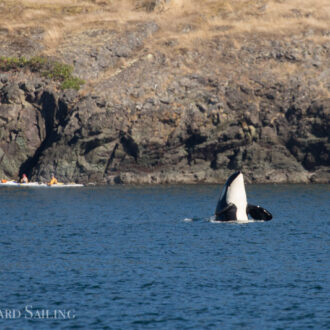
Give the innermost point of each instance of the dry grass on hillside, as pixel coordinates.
(184, 21)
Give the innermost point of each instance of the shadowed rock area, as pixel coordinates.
(161, 104)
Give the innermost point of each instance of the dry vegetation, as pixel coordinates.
(184, 24)
(183, 21)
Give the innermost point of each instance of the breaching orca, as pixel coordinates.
(233, 204)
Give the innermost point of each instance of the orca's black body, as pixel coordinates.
(233, 205)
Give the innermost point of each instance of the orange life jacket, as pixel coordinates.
(53, 181)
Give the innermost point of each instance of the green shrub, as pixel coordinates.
(59, 71)
(72, 83)
(51, 69)
(37, 63)
(12, 63)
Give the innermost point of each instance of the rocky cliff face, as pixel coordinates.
(154, 111)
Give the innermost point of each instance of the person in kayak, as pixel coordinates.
(24, 179)
(53, 180)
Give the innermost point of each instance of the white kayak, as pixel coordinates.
(37, 184)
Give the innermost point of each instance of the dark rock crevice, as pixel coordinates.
(130, 146)
(49, 110)
(110, 160)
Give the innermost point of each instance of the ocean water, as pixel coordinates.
(148, 257)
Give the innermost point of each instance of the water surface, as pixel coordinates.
(148, 257)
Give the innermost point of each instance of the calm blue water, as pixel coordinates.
(125, 258)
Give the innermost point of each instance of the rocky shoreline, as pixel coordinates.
(154, 112)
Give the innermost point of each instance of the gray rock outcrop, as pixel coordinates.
(155, 112)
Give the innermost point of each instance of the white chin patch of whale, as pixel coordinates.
(212, 220)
